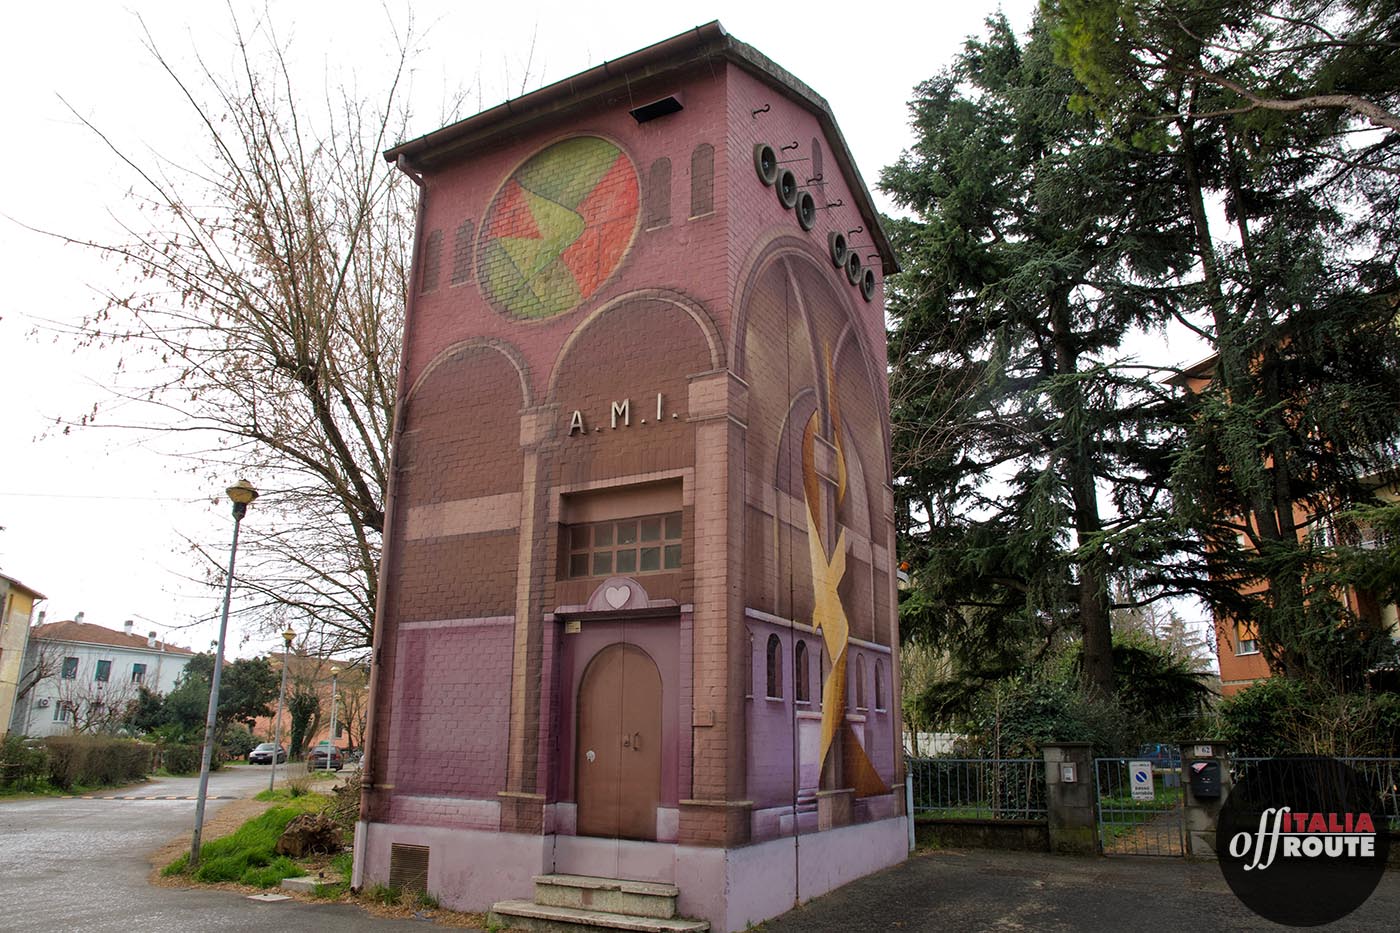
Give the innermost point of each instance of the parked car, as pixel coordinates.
(324, 756)
(1161, 756)
(264, 753)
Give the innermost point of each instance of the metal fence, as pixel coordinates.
(1382, 774)
(1149, 822)
(979, 788)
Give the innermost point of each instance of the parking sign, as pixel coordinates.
(1140, 773)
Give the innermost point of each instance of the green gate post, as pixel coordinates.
(1070, 798)
(1203, 814)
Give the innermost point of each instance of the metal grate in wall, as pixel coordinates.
(408, 868)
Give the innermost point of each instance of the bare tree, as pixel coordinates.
(266, 310)
(95, 707)
(38, 667)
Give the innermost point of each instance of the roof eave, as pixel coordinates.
(655, 61)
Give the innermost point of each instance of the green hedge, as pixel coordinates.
(22, 764)
(181, 759)
(93, 760)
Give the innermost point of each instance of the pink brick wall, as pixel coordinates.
(452, 709)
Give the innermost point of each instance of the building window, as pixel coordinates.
(658, 196)
(104, 671)
(70, 669)
(648, 544)
(860, 682)
(802, 689)
(432, 262)
(138, 673)
(462, 253)
(817, 167)
(748, 668)
(702, 180)
(880, 686)
(775, 668)
(60, 711)
(1245, 641)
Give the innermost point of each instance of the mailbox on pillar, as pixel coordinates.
(1205, 780)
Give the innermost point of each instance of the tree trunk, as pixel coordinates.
(1092, 584)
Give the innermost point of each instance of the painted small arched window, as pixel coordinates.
(658, 197)
(432, 262)
(748, 668)
(775, 668)
(860, 682)
(462, 253)
(816, 159)
(702, 180)
(802, 691)
(880, 685)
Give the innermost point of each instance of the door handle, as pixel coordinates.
(636, 741)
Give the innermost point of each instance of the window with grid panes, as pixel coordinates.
(647, 544)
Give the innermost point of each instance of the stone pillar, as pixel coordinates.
(1203, 813)
(1069, 795)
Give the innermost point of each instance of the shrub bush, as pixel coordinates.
(96, 760)
(180, 759)
(22, 765)
(1279, 716)
(238, 742)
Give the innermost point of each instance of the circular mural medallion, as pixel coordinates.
(558, 228)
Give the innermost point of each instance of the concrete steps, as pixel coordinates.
(582, 904)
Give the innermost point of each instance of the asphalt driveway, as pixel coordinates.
(973, 889)
(80, 864)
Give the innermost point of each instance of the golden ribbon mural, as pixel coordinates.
(828, 615)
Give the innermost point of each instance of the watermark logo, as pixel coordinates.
(1304, 841)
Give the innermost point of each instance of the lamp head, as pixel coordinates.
(242, 492)
(288, 635)
(335, 671)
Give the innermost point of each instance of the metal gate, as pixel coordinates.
(1141, 803)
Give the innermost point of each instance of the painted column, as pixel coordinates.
(716, 814)
(523, 799)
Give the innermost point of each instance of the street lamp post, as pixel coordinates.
(335, 672)
(242, 494)
(287, 637)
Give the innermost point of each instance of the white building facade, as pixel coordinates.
(76, 674)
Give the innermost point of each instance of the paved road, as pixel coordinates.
(974, 890)
(80, 866)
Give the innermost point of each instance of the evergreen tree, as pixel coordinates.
(1277, 112)
(1030, 451)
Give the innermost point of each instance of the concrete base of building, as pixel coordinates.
(731, 888)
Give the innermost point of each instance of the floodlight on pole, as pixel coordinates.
(287, 637)
(242, 495)
(335, 672)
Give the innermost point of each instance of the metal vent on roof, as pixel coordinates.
(657, 108)
(408, 868)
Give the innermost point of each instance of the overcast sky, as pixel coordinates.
(99, 519)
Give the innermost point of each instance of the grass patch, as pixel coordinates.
(248, 855)
(340, 864)
(294, 789)
(383, 894)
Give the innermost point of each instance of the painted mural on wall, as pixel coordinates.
(828, 614)
(558, 228)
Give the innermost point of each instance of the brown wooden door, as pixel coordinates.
(618, 763)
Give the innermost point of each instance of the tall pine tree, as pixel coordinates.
(1030, 449)
(1284, 115)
